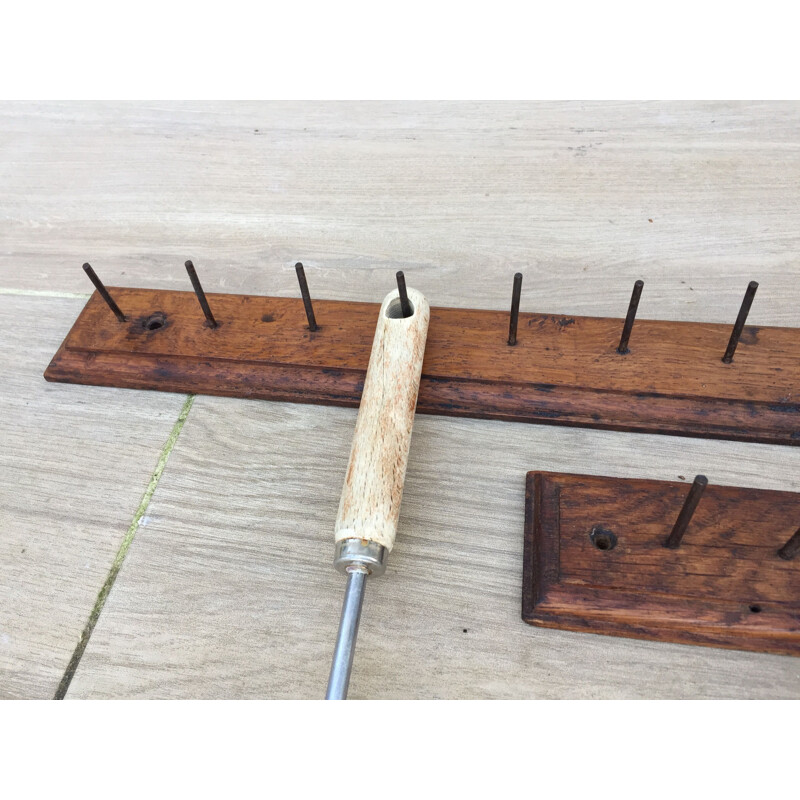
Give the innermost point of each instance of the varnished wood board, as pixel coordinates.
(724, 586)
(74, 464)
(563, 370)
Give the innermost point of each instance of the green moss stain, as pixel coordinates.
(127, 540)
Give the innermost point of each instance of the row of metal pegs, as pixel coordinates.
(604, 539)
(630, 317)
(405, 305)
(516, 295)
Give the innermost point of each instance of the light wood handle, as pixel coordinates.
(373, 488)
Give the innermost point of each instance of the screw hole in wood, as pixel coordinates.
(602, 538)
(155, 321)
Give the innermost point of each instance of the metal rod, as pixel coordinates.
(201, 295)
(630, 318)
(405, 305)
(301, 277)
(685, 517)
(738, 326)
(516, 293)
(98, 284)
(342, 664)
(791, 548)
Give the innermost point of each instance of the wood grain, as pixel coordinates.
(74, 464)
(369, 507)
(562, 371)
(723, 586)
(460, 195)
(230, 591)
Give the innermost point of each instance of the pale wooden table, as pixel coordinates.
(226, 588)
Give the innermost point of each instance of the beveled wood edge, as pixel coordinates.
(461, 398)
(755, 644)
(546, 603)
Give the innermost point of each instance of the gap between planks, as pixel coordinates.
(97, 609)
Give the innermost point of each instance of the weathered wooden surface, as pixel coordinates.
(74, 464)
(228, 590)
(561, 371)
(460, 195)
(724, 585)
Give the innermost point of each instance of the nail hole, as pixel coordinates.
(602, 538)
(465, 630)
(155, 321)
(395, 309)
(755, 608)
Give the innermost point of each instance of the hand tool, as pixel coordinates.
(373, 488)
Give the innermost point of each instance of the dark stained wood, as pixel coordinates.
(725, 586)
(561, 371)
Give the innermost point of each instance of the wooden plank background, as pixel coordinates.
(226, 587)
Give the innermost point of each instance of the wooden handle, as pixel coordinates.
(370, 502)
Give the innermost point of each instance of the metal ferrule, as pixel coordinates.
(360, 553)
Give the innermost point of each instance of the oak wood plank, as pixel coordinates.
(723, 586)
(562, 370)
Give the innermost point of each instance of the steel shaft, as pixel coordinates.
(342, 664)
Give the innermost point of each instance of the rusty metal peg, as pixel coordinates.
(738, 326)
(405, 305)
(201, 295)
(98, 284)
(685, 516)
(791, 548)
(630, 317)
(301, 279)
(516, 294)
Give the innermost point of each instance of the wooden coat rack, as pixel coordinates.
(717, 565)
(683, 378)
